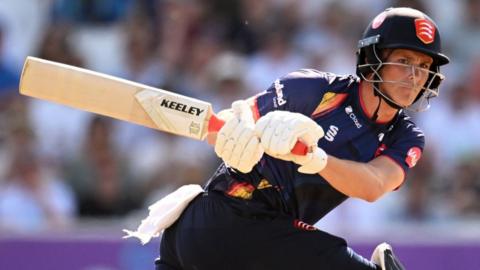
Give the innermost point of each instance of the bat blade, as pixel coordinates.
(114, 97)
(176, 113)
(121, 99)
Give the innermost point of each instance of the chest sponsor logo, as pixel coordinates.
(352, 116)
(279, 92)
(331, 133)
(413, 155)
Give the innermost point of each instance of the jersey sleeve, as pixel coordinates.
(299, 91)
(406, 149)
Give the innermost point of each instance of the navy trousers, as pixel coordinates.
(212, 234)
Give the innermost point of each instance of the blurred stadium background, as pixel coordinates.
(70, 181)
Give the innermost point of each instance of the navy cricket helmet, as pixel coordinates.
(401, 28)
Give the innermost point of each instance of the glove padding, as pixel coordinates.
(280, 130)
(313, 162)
(236, 144)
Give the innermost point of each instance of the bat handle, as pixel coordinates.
(215, 124)
(299, 149)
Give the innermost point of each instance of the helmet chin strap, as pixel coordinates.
(382, 96)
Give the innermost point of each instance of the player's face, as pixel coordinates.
(404, 74)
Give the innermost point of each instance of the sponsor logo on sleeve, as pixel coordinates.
(279, 91)
(413, 155)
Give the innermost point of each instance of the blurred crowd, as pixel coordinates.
(60, 166)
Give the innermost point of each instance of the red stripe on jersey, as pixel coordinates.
(254, 108)
(330, 101)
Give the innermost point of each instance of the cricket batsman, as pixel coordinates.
(257, 209)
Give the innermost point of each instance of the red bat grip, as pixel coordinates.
(215, 124)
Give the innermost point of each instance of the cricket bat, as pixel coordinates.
(121, 99)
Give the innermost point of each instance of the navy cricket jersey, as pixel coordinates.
(333, 101)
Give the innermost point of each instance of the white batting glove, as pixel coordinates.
(280, 130)
(236, 144)
(313, 162)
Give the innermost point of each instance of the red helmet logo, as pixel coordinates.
(425, 30)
